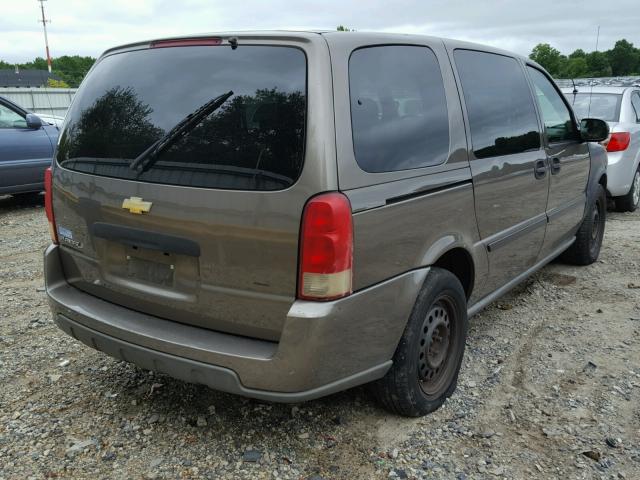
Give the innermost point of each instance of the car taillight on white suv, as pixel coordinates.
(618, 141)
(48, 204)
(326, 248)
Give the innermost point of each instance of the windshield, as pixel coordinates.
(129, 101)
(605, 106)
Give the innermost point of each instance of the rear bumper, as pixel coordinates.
(324, 347)
(621, 167)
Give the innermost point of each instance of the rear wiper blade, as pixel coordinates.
(147, 158)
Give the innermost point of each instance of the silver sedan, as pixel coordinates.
(620, 107)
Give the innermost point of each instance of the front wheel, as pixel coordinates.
(428, 358)
(630, 201)
(586, 249)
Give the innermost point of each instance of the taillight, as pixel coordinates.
(326, 248)
(48, 204)
(619, 141)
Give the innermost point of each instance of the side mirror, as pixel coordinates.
(594, 130)
(33, 121)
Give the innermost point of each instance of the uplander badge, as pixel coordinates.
(136, 205)
(66, 236)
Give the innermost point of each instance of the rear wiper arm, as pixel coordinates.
(147, 158)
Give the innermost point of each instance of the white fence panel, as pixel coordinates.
(51, 101)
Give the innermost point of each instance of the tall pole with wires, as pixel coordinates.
(46, 39)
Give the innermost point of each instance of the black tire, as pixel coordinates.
(586, 249)
(435, 335)
(630, 201)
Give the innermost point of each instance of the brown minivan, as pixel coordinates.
(285, 215)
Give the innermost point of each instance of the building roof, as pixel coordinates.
(25, 78)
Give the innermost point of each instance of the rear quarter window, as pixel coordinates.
(254, 141)
(399, 115)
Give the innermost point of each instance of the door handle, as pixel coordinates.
(540, 170)
(555, 166)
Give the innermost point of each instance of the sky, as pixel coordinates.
(88, 27)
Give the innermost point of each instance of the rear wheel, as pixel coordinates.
(630, 201)
(586, 249)
(428, 358)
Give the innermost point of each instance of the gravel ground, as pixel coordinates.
(550, 388)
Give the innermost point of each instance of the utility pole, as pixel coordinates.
(46, 39)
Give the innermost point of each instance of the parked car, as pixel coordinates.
(26, 149)
(287, 215)
(620, 107)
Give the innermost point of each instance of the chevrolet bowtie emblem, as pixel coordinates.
(136, 205)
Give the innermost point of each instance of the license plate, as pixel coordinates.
(149, 271)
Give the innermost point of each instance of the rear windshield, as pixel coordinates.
(132, 102)
(605, 106)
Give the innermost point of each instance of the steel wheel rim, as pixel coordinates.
(636, 188)
(436, 346)
(596, 226)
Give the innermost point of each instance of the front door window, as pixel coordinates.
(11, 119)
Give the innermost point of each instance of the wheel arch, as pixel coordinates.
(451, 252)
(459, 261)
(603, 180)
(598, 170)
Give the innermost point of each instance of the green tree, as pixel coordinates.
(575, 67)
(342, 28)
(53, 83)
(579, 53)
(598, 64)
(623, 58)
(547, 56)
(38, 63)
(70, 69)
